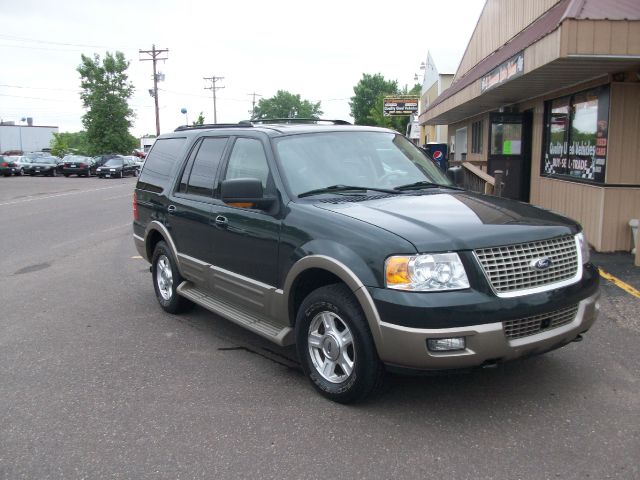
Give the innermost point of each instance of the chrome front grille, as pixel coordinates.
(509, 268)
(524, 327)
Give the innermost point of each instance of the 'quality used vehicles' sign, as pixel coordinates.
(400, 106)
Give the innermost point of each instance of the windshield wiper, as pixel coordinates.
(423, 184)
(343, 188)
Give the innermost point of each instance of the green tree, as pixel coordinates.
(376, 114)
(367, 103)
(105, 93)
(368, 93)
(69, 142)
(286, 105)
(199, 120)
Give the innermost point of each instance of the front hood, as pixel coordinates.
(456, 220)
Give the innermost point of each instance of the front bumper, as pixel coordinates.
(76, 171)
(487, 343)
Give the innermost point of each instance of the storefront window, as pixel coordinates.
(576, 135)
(506, 138)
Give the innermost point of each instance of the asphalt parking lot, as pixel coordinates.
(97, 381)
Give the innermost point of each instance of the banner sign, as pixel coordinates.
(400, 106)
(512, 68)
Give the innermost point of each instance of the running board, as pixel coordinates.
(276, 333)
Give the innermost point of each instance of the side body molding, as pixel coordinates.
(348, 277)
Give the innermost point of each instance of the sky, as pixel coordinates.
(318, 50)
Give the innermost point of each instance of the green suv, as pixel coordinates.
(351, 244)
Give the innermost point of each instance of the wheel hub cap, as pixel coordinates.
(164, 277)
(331, 347)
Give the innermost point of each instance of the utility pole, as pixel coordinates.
(253, 104)
(155, 56)
(213, 79)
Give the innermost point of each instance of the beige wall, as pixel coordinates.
(604, 212)
(500, 21)
(623, 156)
(434, 133)
(478, 159)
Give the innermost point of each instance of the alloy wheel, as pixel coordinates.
(331, 347)
(164, 277)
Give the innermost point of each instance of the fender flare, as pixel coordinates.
(162, 230)
(352, 281)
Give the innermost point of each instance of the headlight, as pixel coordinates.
(426, 273)
(584, 247)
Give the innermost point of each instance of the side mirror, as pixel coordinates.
(245, 192)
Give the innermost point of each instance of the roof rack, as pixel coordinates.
(242, 124)
(297, 120)
(262, 121)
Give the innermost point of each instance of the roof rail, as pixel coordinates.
(242, 124)
(297, 120)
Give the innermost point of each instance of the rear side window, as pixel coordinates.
(157, 167)
(205, 166)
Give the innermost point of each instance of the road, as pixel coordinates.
(97, 381)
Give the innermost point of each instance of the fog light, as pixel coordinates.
(445, 344)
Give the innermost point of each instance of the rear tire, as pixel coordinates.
(166, 279)
(335, 346)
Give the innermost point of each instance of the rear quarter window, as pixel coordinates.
(157, 167)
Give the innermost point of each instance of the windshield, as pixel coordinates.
(377, 160)
(114, 162)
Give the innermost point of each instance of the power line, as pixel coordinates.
(213, 79)
(39, 88)
(155, 56)
(49, 42)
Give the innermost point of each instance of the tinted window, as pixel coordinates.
(205, 166)
(248, 161)
(162, 157)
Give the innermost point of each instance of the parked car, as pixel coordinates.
(136, 160)
(350, 243)
(22, 160)
(118, 167)
(43, 166)
(9, 166)
(78, 165)
(101, 159)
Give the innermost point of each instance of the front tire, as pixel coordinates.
(166, 279)
(335, 345)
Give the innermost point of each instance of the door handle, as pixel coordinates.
(221, 221)
(171, 208)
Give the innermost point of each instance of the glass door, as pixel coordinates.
(510, 151)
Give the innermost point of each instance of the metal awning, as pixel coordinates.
(556, 75)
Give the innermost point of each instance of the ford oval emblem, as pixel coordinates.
(541, 263)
